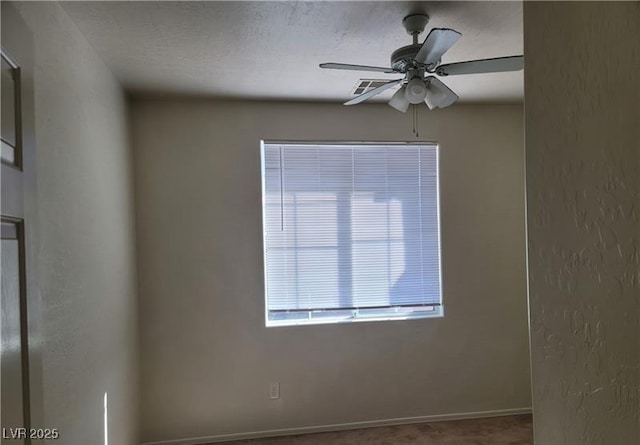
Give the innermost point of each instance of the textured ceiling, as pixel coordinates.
(271, 50)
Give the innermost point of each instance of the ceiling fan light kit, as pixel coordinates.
(421, 63)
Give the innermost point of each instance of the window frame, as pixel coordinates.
(355, 316)
(16, 147)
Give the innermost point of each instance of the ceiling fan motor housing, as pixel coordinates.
(402, 58)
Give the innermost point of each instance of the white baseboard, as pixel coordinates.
(340, 427)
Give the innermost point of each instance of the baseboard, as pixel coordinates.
(340, 427)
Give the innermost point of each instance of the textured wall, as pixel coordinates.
(207, 358)
(583, 192)
(86, 258)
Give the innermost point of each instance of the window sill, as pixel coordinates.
(437, 313)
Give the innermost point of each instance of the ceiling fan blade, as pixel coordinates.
(375, 91)
(438, 94)
(497, 65)
(436, 44)
(345, 66)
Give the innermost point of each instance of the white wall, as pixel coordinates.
(86, 259)
(582, 89)
(207, 358)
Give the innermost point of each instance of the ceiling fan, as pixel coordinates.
(421, 64)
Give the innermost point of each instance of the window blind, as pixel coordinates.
(350, 228)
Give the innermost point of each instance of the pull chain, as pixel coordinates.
(415, 121)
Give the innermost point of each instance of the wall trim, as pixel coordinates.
(341, 427)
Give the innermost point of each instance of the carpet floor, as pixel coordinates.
(508, 430)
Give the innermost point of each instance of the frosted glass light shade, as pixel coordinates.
(415, 91)
(399, 101)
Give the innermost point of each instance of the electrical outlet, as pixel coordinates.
(274, 390)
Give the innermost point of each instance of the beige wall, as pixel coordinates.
(207, 358)
(86, 259)
(582, 89)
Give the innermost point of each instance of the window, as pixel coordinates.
(351, 232)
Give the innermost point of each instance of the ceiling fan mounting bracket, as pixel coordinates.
(440, 72)
(433, 68)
